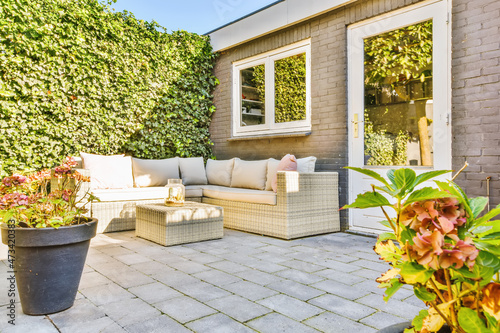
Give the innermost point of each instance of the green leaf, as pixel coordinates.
(487, 259)
(368, 200)
(413, 273)
(385, 236)
(456, 192)
(477, 205)
(423, 294)
(470, 322)
(404, 179)
(371, 174)
(426, 193)
(486, 217)
(418, 321)
(428, 176)
(392, 288)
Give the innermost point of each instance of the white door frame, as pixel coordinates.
(439, 12)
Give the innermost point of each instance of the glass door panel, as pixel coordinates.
(398, 98)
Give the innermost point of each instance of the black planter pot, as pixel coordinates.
(48, 264)
(400, 328)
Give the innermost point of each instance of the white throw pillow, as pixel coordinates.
(108, 171)
(272, 168)
(306, 164)
(219, 172)
(193, 171)
(154, 172)
(249, 174)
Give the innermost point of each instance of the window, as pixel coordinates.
(271, 92)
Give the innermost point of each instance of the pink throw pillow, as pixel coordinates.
(287, 163)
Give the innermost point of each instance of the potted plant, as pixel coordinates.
(46, 235)
(442, 245)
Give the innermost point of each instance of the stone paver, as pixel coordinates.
(238, 308)
(291, 307)
(240, 283)
(218, 323)
(275, 322)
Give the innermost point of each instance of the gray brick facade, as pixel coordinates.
(475, 110)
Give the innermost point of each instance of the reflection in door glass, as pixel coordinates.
(398, 97)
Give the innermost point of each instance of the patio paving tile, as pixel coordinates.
(82, 312)
(266, 256)
(275, 322)
(106, 293)
(296, 289)
(152, 267)
(300, 276)
(202, 258)
(184, 309)
(398, 308)
(339, 289)
(128, 312)
(302, 265)
(216, 277)
(218, 323)
(115, 250)
(132, 258)
(158, 324)
(228, 266)
(104, 325)
(25, 323)
(258, 277)
(376, 266)
(238, 308)
(380, 320)
(175, 278)
(291, 307)
(344, 278)
(250, 290)
(368, 273)
(264, 266)
(332, 323)
(154, 292)
(189, 267)
(202, 291)
(343, 306)
(338, 266)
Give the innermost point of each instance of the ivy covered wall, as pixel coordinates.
(76, 76)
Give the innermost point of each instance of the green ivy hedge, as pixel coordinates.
(76, 76)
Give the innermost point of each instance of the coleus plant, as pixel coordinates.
(443, 245)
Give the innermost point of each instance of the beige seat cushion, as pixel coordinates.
(193, 171)
(239, 194)
(272, 169)
(145, 193)
(249, 174)
(219, 172)
(108, 172)
(154, 172)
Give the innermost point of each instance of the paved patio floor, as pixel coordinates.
(241, 283)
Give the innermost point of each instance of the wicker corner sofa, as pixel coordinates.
(306, 204)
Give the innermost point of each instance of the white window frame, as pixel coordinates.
(268, 59)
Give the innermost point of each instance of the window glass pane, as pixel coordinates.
(398, 97)
(253, 96)
(290, 89)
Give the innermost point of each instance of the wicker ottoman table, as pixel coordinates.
(168, 226)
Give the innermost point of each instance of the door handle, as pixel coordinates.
(355, 122)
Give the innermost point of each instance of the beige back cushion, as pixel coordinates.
(249, 174)
(108, 171)
(154, 172)
(272, 168)
(306, 164)
(219, 172)
(193, 171)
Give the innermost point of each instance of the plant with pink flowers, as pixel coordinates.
(443, 245)
(29, 201)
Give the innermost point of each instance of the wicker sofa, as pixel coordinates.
(304, 204)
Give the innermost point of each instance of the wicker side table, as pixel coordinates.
(168, 226)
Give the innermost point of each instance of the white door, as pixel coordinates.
(398, 97)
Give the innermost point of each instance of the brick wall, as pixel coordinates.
(475, 98)
(476, 119)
